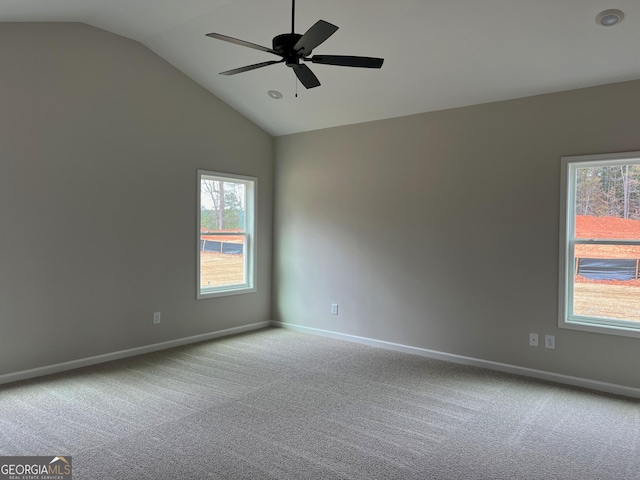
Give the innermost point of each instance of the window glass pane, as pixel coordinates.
(605, 283)
(222, 260)
(607, 202)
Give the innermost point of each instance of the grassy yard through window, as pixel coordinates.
(607, 299)
(218, 269)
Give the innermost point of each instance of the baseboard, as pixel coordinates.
(108, 357)
(501, 367)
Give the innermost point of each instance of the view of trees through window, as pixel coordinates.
(222, 205)
(609, 191)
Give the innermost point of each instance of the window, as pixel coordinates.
(226, 234)
(600, 244)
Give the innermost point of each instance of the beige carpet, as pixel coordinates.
(276, 404)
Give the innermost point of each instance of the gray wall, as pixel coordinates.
(441, 230)
(100, 140)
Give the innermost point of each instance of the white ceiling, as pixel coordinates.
(438, 54)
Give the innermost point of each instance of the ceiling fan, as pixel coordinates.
(293, 48)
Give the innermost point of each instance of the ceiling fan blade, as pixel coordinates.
(317, 34)
(306, 76)
(242, 43)
(347, 61)
(250, 67)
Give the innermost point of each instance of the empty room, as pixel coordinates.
(319, 240)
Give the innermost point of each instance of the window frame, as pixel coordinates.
(250, 245)
(566, 318)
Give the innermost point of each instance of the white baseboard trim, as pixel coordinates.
(131, 352)
(476, 362)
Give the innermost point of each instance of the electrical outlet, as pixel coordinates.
(334, 309)
(549, 341)
(156, 317)
(533, 339)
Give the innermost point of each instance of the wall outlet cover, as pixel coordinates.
(550, 341)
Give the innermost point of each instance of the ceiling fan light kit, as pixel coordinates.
(294, 48)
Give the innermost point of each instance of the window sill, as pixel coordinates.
(213, 293)
(595, 327)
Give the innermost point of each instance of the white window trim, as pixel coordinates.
(251, 221)
(567, 212)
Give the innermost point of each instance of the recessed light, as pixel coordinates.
(274, 94)
(609, 18)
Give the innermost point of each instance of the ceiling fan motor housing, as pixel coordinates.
(283, 44)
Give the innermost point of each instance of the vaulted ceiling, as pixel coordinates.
(438, 54)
